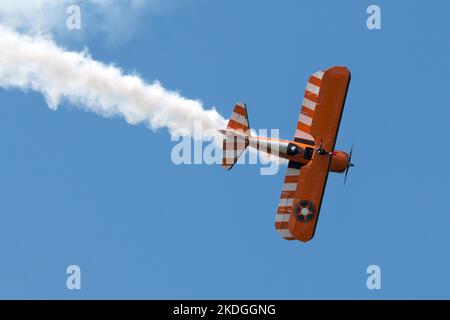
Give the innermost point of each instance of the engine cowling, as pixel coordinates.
(339, 161)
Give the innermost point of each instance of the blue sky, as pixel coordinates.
(81, 189)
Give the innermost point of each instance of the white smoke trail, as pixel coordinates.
(113, 20)
(37, 63)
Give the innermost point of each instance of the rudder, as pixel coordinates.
(236, 136)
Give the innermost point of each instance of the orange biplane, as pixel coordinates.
(311, 154)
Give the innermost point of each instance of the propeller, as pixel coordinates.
(349, 164)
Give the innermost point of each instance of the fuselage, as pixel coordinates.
(296, 151)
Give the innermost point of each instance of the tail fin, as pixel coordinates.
(236, 136)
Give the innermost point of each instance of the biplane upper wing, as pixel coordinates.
(304, 187)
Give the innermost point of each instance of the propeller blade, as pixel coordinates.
(345, 178)
(349, 164)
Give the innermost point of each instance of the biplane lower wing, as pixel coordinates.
(303, 188)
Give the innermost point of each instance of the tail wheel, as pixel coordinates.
(305, 211)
